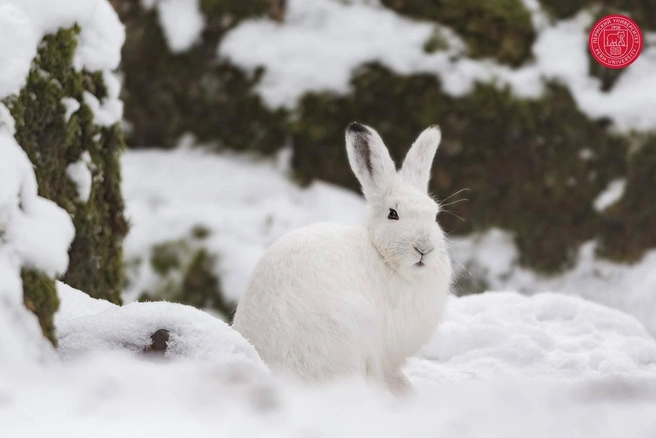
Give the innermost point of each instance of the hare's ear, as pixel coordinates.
(416, 167)
(369, 159)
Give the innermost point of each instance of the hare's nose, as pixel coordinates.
(423, 251)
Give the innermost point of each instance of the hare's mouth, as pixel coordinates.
(419, 263)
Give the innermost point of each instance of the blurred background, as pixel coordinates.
(233, 119)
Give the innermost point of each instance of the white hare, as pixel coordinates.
(330, 301)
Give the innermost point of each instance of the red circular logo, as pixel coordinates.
(615, 41)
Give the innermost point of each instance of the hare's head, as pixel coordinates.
(402, 219)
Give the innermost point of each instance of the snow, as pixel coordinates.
(349, 34)
(75, 304)
(71, 105)
(113, 396)
(23, 23)
(80, 173)
(21, 340)
(245, 202)
(544, 335)
(35, 229)
(501, 365)
(631, 288)
(34, 233)
(610, 195)
(107, 112)
(182, 22)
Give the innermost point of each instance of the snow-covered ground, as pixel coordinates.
(502, 364)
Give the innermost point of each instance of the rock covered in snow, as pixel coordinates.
(90, 326)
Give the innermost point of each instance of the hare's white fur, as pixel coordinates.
(329, 301)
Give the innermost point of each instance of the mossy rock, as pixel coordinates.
(186, 271)
(520, 158)
(52, 143)
(607, 76)
(40, 297)
(169, 94)
(500, 29)
(629, 225)
(642, 12)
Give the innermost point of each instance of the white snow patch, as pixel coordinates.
(80, 173)
(245, 203)
(610, 195)
(23, 23)
(320, 42)
(182, 22)
(71, 105)
(7, 123)
(34, 233)
(586, 154)
(107, 112)
(36, 229)
(75, 304)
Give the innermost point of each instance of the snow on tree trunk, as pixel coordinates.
(60, 105)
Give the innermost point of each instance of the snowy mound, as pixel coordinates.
(491, 371)
(546, 335)
(193, 334)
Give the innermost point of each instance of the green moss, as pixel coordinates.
(200, 232)
(642, 12)
(52, 143)
(40, 297)
(564, 8)
(501, 29)
(186, 273)
(607, 76)
(167, 95)
(628, 226)
(166, 257)
(229, 12)
(436, 42)
(521, 158)
(200, 286)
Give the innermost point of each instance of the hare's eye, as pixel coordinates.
(393, 215)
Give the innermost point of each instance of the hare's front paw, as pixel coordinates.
(398, 383)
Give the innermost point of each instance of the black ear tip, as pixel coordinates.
(356, 128)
